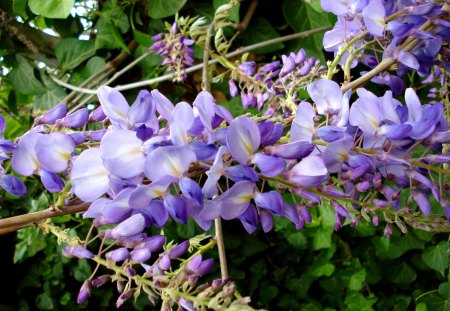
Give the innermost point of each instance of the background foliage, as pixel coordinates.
(312, 269)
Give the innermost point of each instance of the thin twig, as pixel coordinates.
(241, 26)
(14, 223)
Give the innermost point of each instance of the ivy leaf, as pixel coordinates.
(52, 96)
(164, 8)
(108, 37)
(44, 302)
(51, 8)
(114, 14)
(95, 64)
(259, 31)
(23, 79)
(301, 17)
(71, 52)
(436, 257)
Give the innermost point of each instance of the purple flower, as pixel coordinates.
(247, 68)
(243, 138)
(310, 172)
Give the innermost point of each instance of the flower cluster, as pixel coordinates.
(176, 50)
(393, 25)
(276, 83)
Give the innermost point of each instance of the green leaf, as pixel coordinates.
(322, 238)
(164, 8)
(108, 37)
(19, 7)
(322, 270)
(301, 17)
(23, 79)
(44, 302)
(358, 302)
(52, 96)
(114, 14)
(401, 274)
(297, 240)
(95, 64)
(421, 307)
(51, 8)
(261, 30)
(436, 257)
(142, 38)
(357, 280)
(151, 61)
(71, 52)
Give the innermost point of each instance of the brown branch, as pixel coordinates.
(14, 223)
(241, 26)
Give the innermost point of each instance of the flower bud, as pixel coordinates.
(85, 292)
(179, 250)
(99, 281)
(119, 254)
(76, 251)
(125, 296)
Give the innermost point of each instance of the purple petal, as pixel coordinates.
(204, 102)
(268, 165)
(272, 201)
(77, 119)
(270, 132)
(114, 105)
(191, 190)
(243, 138)
(50, 117)
(303, 125)
(310, 172)
(129, 227)
(54, 151)
(266, 220)
(24, 160)
(163, 104)
(122, 153)
(373, 15)
(366, 114)
(214, 174)
(336, 153)
(51, 181)
(235, 200)
(291, 151)
(89, 177)
(414, 105)
(249, 219)
(13, 185)
(326, 94)
(168, 161)
(158, 212)
(142, 110)
(144, 194)
(241, 172)
(181, 120)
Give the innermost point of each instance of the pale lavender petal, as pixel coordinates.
(326, 94)
(211, 210)
(181, 120)
(191, 190)
(268, 165)
(144, 194)
(122, 153)
(204, 102)
(408, 59)
(214, 174)
(89, 177)
(24, 160)
(396, 131)
(310, 172)
(158, 212)
(266, 220)
(168, 161)
(241, 172)
(77, 119)
(163, 104)
(114, 105)
(177, 208)
(96, 208)
(235, 200)
(373, 15)
(388, 106)
(243, 138)
(118, 209)
(54, 151)
(294, 150)
(131, 226)
(365, 114)
(336, 153)
(303, 125)
(142, 110)
(414, 106)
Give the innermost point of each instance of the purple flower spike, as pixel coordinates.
(77, 252)
(90, 179)
(54, 151)
(131, 226)
(310, 172)
(77, 119)
(13, 185)
(122, 153)
(243, 138)
(171, 161)
(50, 117)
